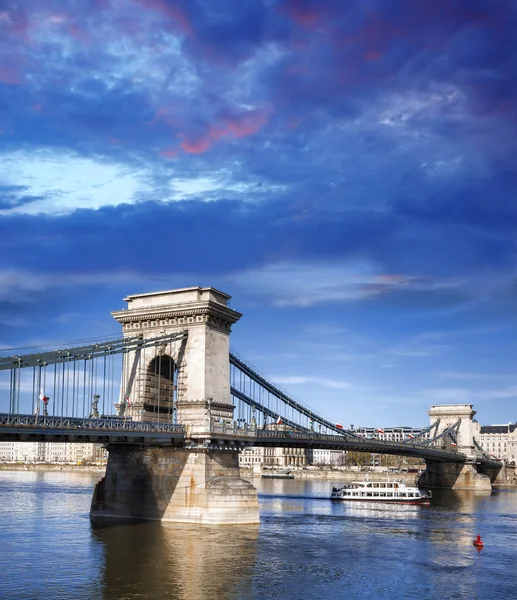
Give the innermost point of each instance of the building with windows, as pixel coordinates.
(257, 457)
(391, 434)
(499, 441)
(52, 453)
(326, 457)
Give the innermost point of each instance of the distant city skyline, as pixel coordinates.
(345, 171)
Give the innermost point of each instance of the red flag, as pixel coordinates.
(339, 426)
(380, 430)
(43, 398)
(279, 421)
(453, 444)
(411, 437)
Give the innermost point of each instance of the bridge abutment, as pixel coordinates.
(178, 485)
(455, 476)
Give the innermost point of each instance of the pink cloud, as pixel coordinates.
(197, 146)
(237, 127)
(245, 125)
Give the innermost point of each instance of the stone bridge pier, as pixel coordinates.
(187, 382)
(472, 474)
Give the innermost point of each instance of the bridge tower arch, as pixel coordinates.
(200, 364)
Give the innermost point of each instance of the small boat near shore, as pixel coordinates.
(392, 492)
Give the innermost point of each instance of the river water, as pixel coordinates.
(306, 547)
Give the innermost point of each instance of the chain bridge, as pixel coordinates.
(185, 406)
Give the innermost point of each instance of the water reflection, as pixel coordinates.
(153, 560)
(453, 527)
(376, 510)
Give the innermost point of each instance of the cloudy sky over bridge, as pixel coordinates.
(346, 170)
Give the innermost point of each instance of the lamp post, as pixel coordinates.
(95, 407)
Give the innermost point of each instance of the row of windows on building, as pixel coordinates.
(289, 457)
(53, 453)
(500, 441)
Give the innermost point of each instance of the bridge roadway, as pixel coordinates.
(29, 428)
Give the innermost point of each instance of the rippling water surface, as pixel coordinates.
(305, 547)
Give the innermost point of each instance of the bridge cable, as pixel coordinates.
(280, 395)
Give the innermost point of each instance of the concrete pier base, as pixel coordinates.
(177, 485)
(455, 476)
(504, 478)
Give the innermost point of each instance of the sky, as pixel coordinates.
(345, 170)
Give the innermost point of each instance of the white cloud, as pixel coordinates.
(307, 284)
(476, 376)
(63, 182)
(66, 181)
(324, 381)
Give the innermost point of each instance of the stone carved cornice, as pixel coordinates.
(208, 313)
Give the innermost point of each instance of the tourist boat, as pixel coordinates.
(393, 492)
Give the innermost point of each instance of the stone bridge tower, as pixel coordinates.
(468, 475)
(178, 381)
(186, 381)
(449, 414)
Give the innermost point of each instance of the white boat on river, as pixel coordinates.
(393, 492)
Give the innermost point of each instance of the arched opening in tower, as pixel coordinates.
(160, 387)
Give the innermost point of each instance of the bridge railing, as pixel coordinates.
(235, 428)
(47, 422)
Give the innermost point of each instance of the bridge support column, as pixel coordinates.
(456, 476)
(177, 485)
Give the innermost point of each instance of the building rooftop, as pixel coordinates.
(508, 428)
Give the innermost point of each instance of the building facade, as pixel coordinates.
(326, 457)
(257, 457)
(390, 434)
(498, 441)
(52, 453)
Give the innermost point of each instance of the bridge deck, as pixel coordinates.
(27, 428)
(30, 428)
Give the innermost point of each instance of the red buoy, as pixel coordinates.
(478, 542)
